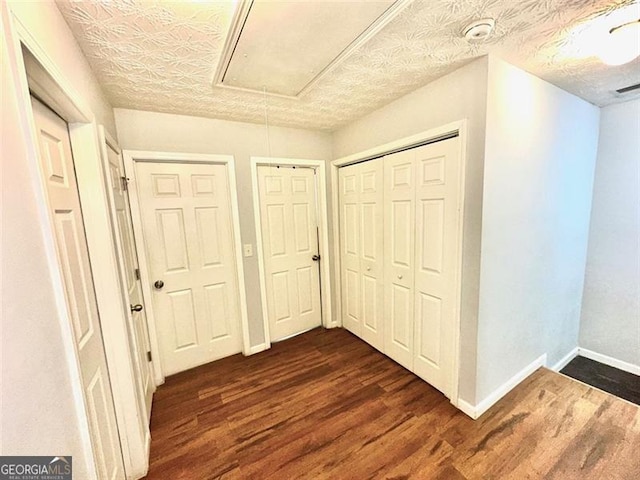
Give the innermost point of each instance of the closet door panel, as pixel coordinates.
(437, 188)
(371, 251)
(350, 248)
(399, 219)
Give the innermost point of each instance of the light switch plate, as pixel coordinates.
(248, 250)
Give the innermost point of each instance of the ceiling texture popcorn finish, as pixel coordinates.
(162, 56)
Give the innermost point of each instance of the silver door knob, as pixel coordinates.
(368, 268)
(135, 308)
(315, 258)
(400, 277)
(158, 284)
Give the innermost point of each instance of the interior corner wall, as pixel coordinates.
(139, 130)
(540, 157)
(610, 322)
(47, 26)
(39, 414)
(456, 96)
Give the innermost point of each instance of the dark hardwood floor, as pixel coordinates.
(325, 405)
(617, 382)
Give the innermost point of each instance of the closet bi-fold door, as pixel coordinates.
(399, 239)
(371, 251)
(362, 236)
(437, 173)
(349, 181)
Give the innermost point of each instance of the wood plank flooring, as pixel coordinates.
(325, 405)
(617, 382)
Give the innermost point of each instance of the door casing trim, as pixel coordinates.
(130, 158)
(325, 266)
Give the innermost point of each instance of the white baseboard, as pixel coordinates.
(564, 361)
(467, 408)
(607, 360)
(475, 411)
(257, 349)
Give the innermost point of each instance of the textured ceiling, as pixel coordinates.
(161, 56)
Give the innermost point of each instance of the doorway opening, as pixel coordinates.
(290, 212)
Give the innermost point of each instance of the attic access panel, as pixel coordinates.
(285, 47)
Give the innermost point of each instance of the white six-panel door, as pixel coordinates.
(64, 205)
(188, 236)
(361, 207)
(399, 229)
(138, 328)
(289, 240)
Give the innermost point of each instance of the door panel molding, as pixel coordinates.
(130, 158)
(323, 240)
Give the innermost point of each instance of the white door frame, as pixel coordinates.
(37, 71)
(325, 257)
(130, 158)
(435, 134)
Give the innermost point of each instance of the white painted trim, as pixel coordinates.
(563, 362)
(467, 409)
(477, 410)
(457, 315)
(459, 127)
(607, 360)
(383, 149)
(335, 215)
(258, 348)
(325, 266)
(132, 156)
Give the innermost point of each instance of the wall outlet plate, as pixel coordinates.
(248, 250)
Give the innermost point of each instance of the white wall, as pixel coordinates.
(39, 394)
(459, 95)
(539, 163)
(138, 130)
(45, 24)
(611, 302)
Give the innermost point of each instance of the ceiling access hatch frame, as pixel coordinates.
(240, 17)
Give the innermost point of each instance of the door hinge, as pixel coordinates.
(124, 181)
(148, 356)
(137, 272)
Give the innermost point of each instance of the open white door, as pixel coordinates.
(189, 240)
(58, 172)
(126, 250)
(288, 216)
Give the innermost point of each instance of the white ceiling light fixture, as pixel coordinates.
(479, 30)
(622, 44)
